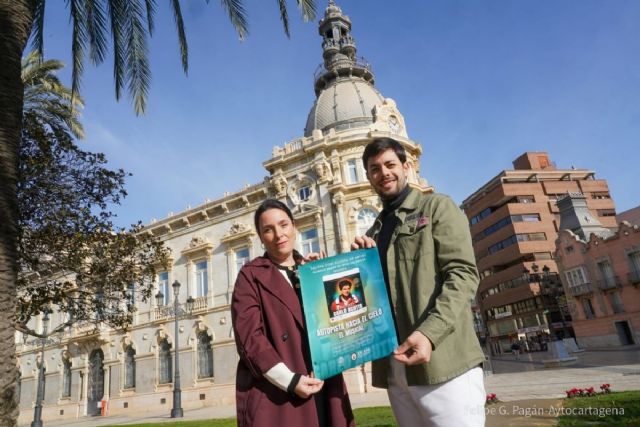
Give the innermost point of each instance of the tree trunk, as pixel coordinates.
(16, 18)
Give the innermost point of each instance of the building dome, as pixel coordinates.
(345, 103)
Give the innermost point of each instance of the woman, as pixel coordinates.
(274, 382)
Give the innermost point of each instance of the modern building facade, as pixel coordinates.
(319, 175)
(600, 270)
(514, 222)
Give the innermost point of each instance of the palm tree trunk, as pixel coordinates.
(16, 18)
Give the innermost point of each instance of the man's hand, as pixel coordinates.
(415, 350)
(363, 242)
(308, 386)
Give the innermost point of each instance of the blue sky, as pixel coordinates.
(479, 83)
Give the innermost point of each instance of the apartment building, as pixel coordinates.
(514, 220)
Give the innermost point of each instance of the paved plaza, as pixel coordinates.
(522, 384)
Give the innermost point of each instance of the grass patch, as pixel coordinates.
(380, 416)
(613, 409)
(376, 416)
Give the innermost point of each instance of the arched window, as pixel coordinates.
(205, 356)
(165, 366)
(366, 218)
(129, 367)
(66, 378)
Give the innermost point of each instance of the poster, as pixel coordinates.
(349, 320)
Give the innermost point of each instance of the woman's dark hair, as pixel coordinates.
(379, 145)
(270, 204)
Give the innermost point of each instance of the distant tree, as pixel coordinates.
(128, 23)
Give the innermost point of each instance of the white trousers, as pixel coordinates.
(458, 402)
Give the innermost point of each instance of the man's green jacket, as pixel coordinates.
(432, 280)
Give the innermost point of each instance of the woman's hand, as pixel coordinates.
(308, 386)
(313, 256)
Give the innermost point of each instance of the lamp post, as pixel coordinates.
(37, 414)
(482, 327)
(176, 411)
(549, 286)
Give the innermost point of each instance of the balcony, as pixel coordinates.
(200, 303)
(583, 289)
(608, 283)
(617, 308)
(634, 277)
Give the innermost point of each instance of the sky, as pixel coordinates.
(478, 82)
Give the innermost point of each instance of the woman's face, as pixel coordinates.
(277, 233)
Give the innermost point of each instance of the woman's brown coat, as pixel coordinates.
(269, 328)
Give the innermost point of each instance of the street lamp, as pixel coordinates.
(37, 414)
(549, 286)
(176, 411)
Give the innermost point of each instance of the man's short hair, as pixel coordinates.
(379, 145)
(344, 282)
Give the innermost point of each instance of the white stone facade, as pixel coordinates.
(319, 176)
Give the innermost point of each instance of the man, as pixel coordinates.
(434, 377)
(346, 298)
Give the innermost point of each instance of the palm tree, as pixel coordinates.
(126, 25)
(47, 102)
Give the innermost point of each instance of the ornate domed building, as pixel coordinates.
(319, 175)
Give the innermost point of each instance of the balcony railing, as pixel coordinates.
(200, 303)
(582, 289)
(610, 282)
(634, 277)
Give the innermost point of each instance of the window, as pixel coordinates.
(352, 171)
(576, 277)
(164, 365)
(304, 193)
(588, 308)
(485, 213)
(634, 274)
(242, 257)
(205, 356)
(616, 302)
(525, 199)
(501, 245)
(600, 196)
(606, 212)
(66, 378)
(131, 296)
(202, 285)
(366, 218)
(635, 261)
(163, 286)
(309, 241)
(531, 237)
(130, 367)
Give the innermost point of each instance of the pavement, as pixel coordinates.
(527, 391)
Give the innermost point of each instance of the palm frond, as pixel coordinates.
(284, 16)
(137, 63)
(308, 9)
(117, 10)
(47, 102)
(182, 38)
(151, 11)
(37, 31)
(238, 16)
(96, 29)
(78, 43)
